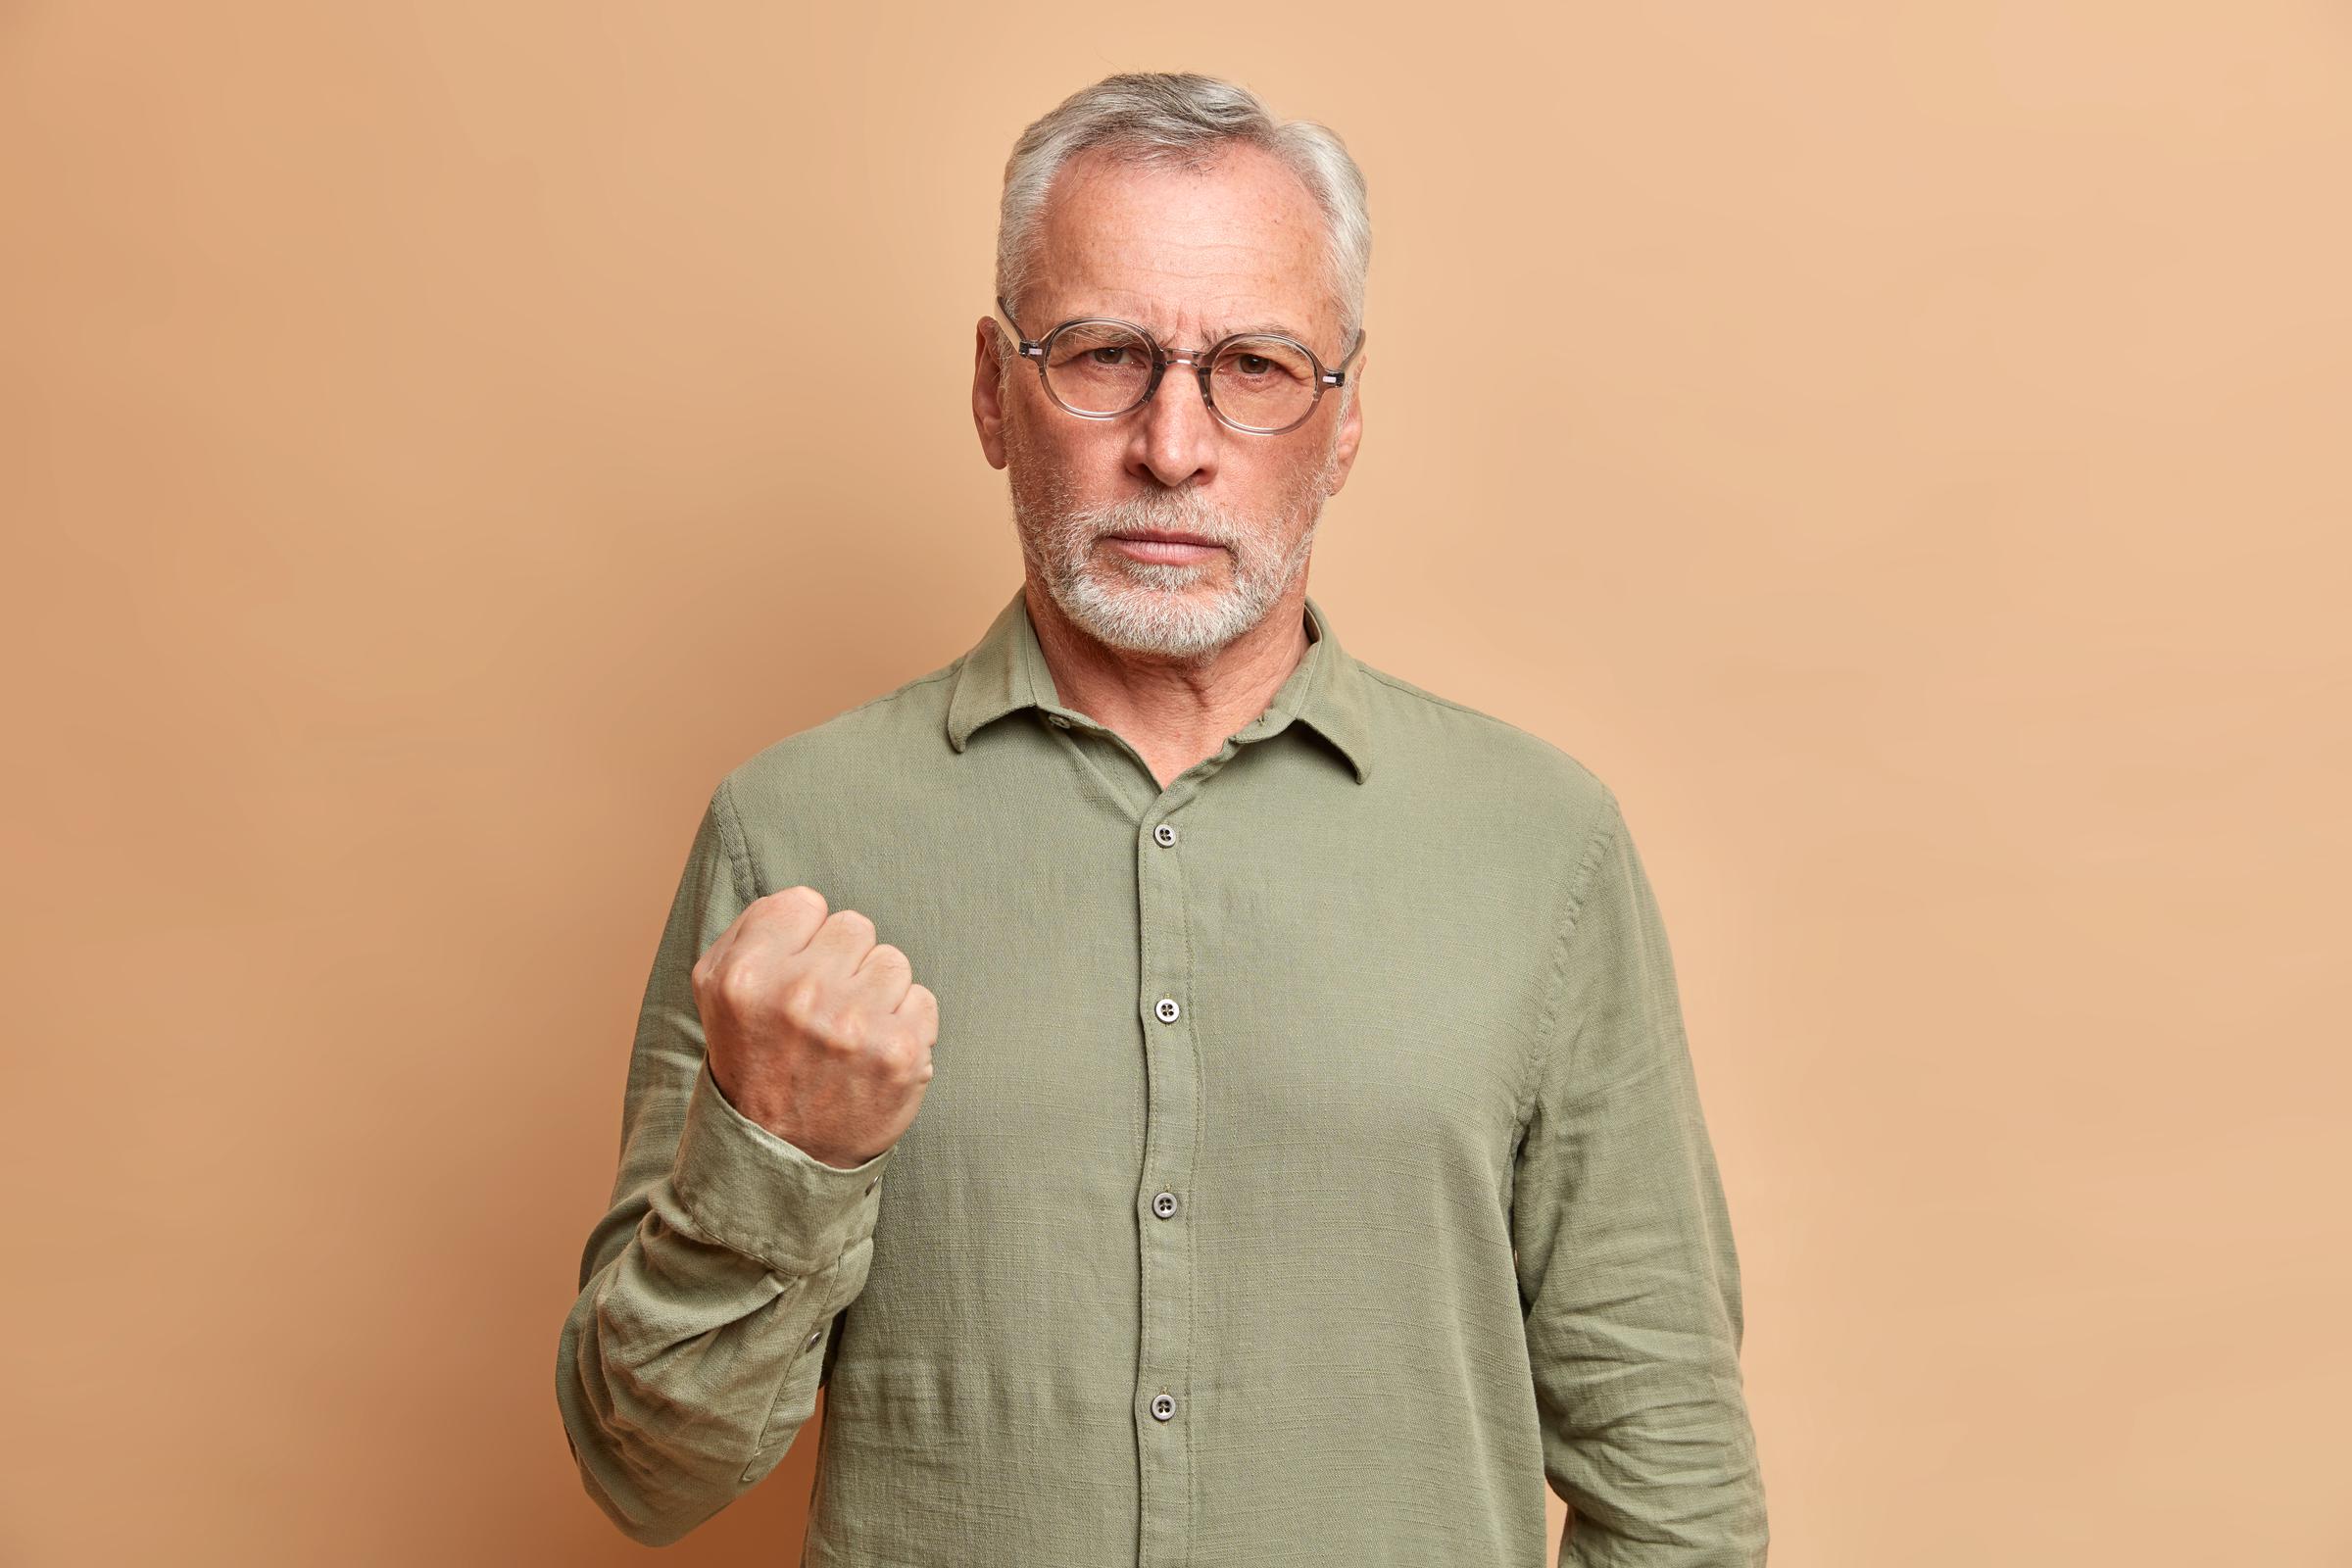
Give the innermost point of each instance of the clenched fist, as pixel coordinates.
(816, 1031)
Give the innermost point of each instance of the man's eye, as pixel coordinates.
(1114, 352)
(1254, 364)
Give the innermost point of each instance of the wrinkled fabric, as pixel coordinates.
(1307, 1191)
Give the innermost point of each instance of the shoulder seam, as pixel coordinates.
(731, 836)
(1581, 881)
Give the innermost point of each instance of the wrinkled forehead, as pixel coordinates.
(1234, 246)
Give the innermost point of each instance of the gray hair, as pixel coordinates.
(1186, 120)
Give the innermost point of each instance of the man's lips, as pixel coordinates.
(1164, 537)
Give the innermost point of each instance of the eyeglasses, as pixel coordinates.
(1259, 382)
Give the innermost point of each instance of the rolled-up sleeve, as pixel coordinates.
(710, 1288)
(1628, 1277)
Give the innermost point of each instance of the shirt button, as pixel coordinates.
(1164, 833)
(1166, 1011)
(1164, 1203)
(814, 1337)
(1057, 721)
(876, 1182)
(1163, 1406)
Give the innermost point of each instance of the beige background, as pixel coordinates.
(437, 440)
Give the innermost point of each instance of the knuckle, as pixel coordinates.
(907, 1062)
(801, 998)
(850, 1032)
(830, 1028)
(799, 894)
(737, 986)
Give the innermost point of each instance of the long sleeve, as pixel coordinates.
(708, 1289)
(1628, 1277)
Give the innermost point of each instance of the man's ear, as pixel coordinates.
(988, 392)
(1351, 424)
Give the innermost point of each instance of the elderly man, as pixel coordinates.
(1188, 1097)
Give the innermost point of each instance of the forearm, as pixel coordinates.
(692, 1358)
(686, 1369)
(1629, 1274)
(1656, 1444)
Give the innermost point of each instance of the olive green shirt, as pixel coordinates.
(1313, 1163)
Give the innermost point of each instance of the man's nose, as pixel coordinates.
(1175, 436)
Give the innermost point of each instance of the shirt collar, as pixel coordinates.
(1006, 669)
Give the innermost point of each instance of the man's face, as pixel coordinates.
(1193, 257)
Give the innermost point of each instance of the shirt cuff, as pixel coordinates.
(765, 1197)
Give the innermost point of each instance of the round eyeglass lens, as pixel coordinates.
(1097, 368)
(1265, 382)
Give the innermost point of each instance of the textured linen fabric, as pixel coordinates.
(1302, 1185)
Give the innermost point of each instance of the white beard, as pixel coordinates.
(1159, 607)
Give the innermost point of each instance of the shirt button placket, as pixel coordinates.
(1172, 1099)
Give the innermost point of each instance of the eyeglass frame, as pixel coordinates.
(1200, 359)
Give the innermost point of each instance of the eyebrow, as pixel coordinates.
(1277, 327)
(1263, 327)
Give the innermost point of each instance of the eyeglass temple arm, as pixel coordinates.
(1020, 339)
(1336, 377)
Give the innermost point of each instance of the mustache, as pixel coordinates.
(1175, 511)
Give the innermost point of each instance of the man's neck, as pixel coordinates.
(1173, 711)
